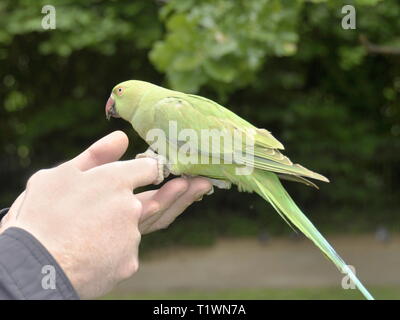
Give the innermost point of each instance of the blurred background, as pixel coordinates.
(330, 95)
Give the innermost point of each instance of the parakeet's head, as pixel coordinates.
(124, 99)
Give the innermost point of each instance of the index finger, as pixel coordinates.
(132, 173)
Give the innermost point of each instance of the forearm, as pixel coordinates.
(28, 271)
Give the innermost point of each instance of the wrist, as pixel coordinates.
(33, 268)
(58, 252)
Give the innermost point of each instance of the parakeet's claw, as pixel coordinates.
(162, 164)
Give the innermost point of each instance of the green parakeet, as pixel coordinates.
(147, 106)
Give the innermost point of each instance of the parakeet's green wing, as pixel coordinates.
(210, 108)
(209, 115)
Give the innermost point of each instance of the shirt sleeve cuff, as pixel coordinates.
(3, 212)
(29, 271)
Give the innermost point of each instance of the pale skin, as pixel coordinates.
(84, 212)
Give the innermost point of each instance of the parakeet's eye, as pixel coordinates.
(120, 90)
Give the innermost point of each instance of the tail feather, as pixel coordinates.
(288, 210)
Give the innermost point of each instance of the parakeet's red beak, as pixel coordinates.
(110, 109)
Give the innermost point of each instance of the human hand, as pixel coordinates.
(85, 214)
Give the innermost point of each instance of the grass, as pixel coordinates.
(385, 293)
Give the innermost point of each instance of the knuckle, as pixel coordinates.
(135, 266)
(131, 267)
(137, 236)
(154, 206)
(130, 209)
(41, 173)
(136, 206)
(38, 176)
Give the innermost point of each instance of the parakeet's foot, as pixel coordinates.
(162, 164)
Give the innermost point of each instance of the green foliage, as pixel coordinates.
(286, 65)
(223, 43)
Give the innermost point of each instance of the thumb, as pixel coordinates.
(108, 149)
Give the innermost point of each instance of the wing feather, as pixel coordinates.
(198, 113)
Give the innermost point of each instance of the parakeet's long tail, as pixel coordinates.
(268, 186)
